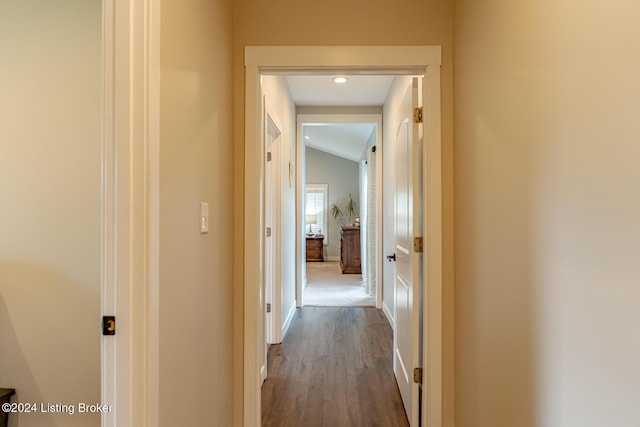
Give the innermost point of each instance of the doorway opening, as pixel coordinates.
(423, 61)
(341, 237)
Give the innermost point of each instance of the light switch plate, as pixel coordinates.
(204, 217)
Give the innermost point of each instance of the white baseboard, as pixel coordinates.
(388, 314)
(333, 258)
(288, 319)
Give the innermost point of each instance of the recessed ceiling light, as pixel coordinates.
(307, 137)
(340, 79)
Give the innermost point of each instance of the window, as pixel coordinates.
(316, 210)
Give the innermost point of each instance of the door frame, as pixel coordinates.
(424, 60)
(129, 283)
(330, 118)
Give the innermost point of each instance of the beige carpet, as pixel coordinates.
(327, 286)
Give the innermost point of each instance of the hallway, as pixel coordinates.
(333, 368)
(328, 287)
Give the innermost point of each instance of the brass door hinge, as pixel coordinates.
(268, 156)
(417, 244)
(417, 115)
(268, 307)
(268, 231)
(417, 375)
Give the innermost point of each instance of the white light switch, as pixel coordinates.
(204, 217)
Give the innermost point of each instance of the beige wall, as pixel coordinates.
(547, 215)
(196, 151)
(338, 22)
(50, 107)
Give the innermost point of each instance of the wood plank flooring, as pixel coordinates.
(333, 368)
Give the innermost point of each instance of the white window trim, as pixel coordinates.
(324, 188)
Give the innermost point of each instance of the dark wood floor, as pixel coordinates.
(334, 368)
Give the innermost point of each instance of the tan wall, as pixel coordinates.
(50, 109)
(547, 215)
(334, 22)
(196, 276)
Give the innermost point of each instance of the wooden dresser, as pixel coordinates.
(350, 250)
(315, 249)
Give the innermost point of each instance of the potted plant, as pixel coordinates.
(345, 212)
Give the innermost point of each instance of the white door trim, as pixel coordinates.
(408, 59)
(432, 228)
(302, 119)
(129, 219)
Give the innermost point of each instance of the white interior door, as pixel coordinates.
(269, 254)
(270, 306)
(407, 280)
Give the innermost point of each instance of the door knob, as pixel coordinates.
(391, 257)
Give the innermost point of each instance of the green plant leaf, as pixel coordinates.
(336, 212)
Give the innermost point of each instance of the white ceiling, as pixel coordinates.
(320, 90)
(344, 140)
